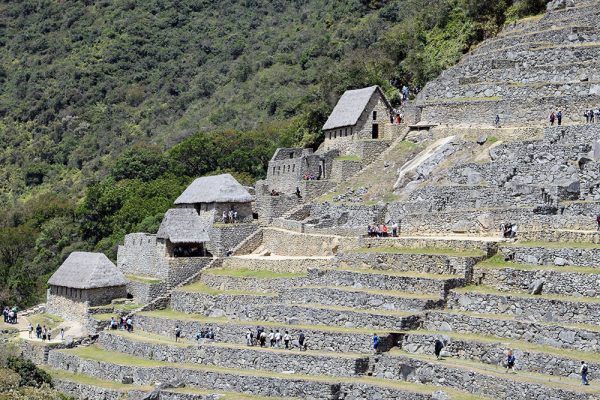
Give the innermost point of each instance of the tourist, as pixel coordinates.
(598, 221)
(395, 229)
(210, 334)
(30, 329)
(123, 323)
(286, 340)
(44, 332)
(584, 373)
(274, 192)
(5, 314)
(129, 325)
(438, 346)
(510, 362)
(497, 121)
(272, 338)
(513, 231)
(596, 115)
(552, 118)
(62, 334)
(263, 338)
(38, 331)
(235, 214)
(113, 323)
(375, 343)
(224, 217)
(177, 333)
(277, 338)
(384, 231)
(591, 113)
(559, 117)
(301, 341)
(248, 337)
(586, 114)
(397, 119)
(298, 192)
(49, 334)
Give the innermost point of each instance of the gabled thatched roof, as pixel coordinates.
(214, 189)
(83, 270)
(183, 225)
(350, 107)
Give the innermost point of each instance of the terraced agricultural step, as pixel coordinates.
(480, 378)
(320, 338)
(96, 362)
(411, 282)
(574, 337)
(207, 352)
(200, 298)
(549, 235)
(465, 246)
(544, 308)
(311, 314)
(276, 263)
(252, 280)
(492, 350)
(559, 280)
(579, 254)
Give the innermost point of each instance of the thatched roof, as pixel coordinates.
(214, 189)
(350, 107)
(83, 270)
(183, 225)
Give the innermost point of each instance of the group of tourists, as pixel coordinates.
(508, 230)
(592, 116)
(555, 117)
(309, 177)
(10, 315)
(43, 333)
(124, 324)
(230, 217)
(274, 338)
(382, 230)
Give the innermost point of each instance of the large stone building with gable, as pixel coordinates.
(84, 280)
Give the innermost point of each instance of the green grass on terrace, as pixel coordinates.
(498, 262)
(406, 274)
(226, 395)
(421, 250)
(555, 245)
(481, 289)
(258, 274)
(95, 353)
(200, 287)
(391, 293)
(143, 279)
(88, 380)
(349, 157)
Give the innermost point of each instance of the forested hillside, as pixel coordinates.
(109, 108)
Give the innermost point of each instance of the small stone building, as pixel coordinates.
(84, 280)
(210, 196)
(359, 114)
(184, 233)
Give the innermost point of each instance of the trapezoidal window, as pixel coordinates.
(374, 115)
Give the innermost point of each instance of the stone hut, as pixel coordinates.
(184, 233)
(84, 280)
(210, 196)
(359, 114)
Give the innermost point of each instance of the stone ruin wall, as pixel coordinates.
(142, 254)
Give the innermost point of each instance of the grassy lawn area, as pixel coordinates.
(349, 157)
(200, 287)
(421, 250)
(51, 321)
(143, 279)
(259, 274)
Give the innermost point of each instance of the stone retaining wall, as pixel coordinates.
(555, 282)
(495, 353)
(585, 257)
(338, 341)
(253, 358)
(545, 334)
(533, 308)
(276, 264)
(144, 292)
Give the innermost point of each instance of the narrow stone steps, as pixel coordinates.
(492, 350)
(560, 335)
(544, 308)
(112, 365)
(319, 337)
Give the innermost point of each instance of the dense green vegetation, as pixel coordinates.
(109, 108)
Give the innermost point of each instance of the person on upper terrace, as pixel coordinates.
(552, 118)
(559, 117)
(397, 119)
(497, 121)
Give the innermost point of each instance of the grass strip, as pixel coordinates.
(421, 250)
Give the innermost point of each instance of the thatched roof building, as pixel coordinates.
(351, 106)
(84, 270)
(183, 225)
(215, 189)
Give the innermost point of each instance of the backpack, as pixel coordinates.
(584, 369)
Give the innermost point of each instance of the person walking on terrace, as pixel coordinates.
(584, 373)
(552, 118)
(437, 348)
(376, 342)
(301, 340)
(510, 362)
(177, 333)
(598, 222)
(286, 340)
(248, 337)
(30, 329)
(497, 121)
(559, 117)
